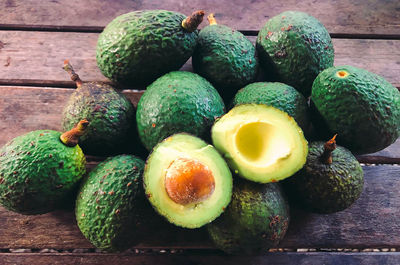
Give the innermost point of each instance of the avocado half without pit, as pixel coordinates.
(187, 181)
(260, 143)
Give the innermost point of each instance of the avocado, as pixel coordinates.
(187, 181)
(177, 102)
(330, 181)
(109, 204)
(294, 48)
(225, 57)
(256, 219)
(140, 46)
(278, 95)
(112, 127)
(260, 143)
(40, 169)
(360, 106)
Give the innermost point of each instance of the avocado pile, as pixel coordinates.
(228, 170)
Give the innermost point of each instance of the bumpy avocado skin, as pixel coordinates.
(362, 108)
(177, 102)
(112, 127)
(226, 58)
(256, 219)
(327, 188)
(37, 172)
(110, 204)
(138, 47)
(278, 95)
(294, 48)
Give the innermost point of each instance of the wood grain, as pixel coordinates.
(35, 58)
(371, 222)
(341, 16)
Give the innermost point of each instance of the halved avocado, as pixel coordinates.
(260, 143)
(187, 181)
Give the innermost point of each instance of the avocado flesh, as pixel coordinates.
(38, 172)
(191, 215)
(360, 106)
(260, 143)
(109, 207)
(256, 219)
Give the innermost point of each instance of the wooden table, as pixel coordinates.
(35, 38)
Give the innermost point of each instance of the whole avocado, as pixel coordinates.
(294, 48)
(140, 46)
(38, 171)
(109, 207)
(256, 219)
(330, 181)
(360, 106)
(112, 127)
(278, 95)
(225, 57)
(177, 102)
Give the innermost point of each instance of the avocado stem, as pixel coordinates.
(74, 76)
(329, 146)
(71, 137)
(211, 19)
(191, 23)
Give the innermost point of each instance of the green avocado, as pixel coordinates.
(38, 172)
(294, 48)
(177, 102)
(225, 57)
(112, 127)
(260, 143)
(109, 206)
(140, 46)
(278, 95)
(360, 106)
(187, 181)
(330, 181)
(256, 219)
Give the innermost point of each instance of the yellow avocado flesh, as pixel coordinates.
(260, 143)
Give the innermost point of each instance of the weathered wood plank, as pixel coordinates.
(30, 57)
(371, 222)
(342, 16)
(293, 258)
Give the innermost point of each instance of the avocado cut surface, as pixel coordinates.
(204, 176)
(360, 106)
(260, 143)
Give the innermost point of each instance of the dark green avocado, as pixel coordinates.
(140, 46)
(360, 106)
(112, 127)
(256, 219)
(38, 171)
(110, 203)
(225, 57)
(294, 48)
(330, 181)
(278, 95)
(177, 102)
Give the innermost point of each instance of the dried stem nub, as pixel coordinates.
(329, 146)
(74, 76)
(71, 137)
(211, 19)
(191, 23)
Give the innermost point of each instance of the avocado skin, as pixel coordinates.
(111, 115)
(327, 188)
(363, 109)
(278, 95)
(226, 58)
(110, 204)
(294, 48)
(140, 46)
(256, 219)
(37, 172)
(177, 102)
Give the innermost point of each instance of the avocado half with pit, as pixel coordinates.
(187, 181)
(260, 143)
